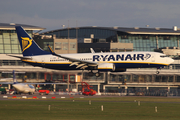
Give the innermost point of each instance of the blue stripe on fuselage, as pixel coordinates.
(64, 66)
(137, 65)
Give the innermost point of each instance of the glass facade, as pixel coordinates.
(45, 47)
(98, 47)
(136, 78)
(149, 42)
(9, 43)
(58, 46)
(86, 77)
(98, 34)
(65, 46)
(72, 46)
(141, 42)
(12, 63)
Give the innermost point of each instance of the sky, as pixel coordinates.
(52, 14)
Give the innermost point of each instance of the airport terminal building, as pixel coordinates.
(101, 39)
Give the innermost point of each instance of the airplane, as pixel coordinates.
(107, 61)
(25, 87)
(20, 87)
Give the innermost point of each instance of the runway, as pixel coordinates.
(69, 96)
(49, 96)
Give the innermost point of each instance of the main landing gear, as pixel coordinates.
(97, 74)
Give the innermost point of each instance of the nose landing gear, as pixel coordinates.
(157, 72)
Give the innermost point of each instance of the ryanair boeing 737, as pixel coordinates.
(108, 61)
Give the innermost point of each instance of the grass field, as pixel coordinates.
(114, 108)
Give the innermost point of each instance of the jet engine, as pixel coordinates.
(106, 67)
(110, 67)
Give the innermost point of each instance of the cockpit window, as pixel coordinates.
(31, 86)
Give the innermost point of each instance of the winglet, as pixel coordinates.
(50, 49)
(92, 51)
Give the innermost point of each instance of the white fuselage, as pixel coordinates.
(119, 59)
(24, 88)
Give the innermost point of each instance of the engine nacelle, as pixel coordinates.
(106, 67)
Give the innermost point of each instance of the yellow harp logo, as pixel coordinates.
(26, 43)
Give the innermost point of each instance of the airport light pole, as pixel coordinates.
(68, 53)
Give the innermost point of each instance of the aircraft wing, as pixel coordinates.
(82, 64)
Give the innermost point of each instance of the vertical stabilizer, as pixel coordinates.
(28, 45)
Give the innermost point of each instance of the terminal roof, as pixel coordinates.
(11, 26)
(134, 30)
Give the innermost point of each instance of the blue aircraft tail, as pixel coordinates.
(28, 45)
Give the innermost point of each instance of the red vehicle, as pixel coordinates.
(41, 92)
(86, 90)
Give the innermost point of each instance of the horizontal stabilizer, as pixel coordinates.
(29, 58)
